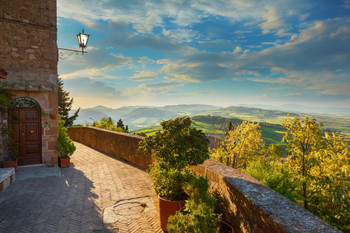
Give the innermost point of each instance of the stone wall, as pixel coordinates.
(28, 52)
(247, 204)
(120, 145)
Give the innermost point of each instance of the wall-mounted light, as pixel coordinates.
(82, 40)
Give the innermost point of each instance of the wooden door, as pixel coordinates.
(26, 125)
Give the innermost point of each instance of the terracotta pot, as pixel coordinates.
(63, 162)
(10, 164)
(168, 208)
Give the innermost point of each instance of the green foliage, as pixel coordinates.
(303, 137)
(141, 134)
(65, 105)
(330, 183)
(199, 210)
(240, 146)
(120, 123)
(175, 148)
(275, 175)
(230, 127)
(6, 98)
(108, 123)
(65, 145)
(321, 169)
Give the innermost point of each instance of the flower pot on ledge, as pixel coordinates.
(63, 162)
(13, 164)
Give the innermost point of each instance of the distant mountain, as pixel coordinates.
(141, 116)
(301, 108)
(332, 122)
(137, 117)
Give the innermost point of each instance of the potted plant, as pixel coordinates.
(175, 148)
(12, 154)
(199, 213)
(65, 145)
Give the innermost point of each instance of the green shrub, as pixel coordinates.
(176, 148)
(65, 145)
(199, 214)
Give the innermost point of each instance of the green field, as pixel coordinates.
(216, 126)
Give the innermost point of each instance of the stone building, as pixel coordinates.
(29, 56)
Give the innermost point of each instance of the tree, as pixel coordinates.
(330, 183)
(108, 123)
(240, 146)
(230, 127)
(303, 137)
(175, 149)
(272, 170)
(120, 123)
(65, 105)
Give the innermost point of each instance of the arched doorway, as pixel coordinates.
(25, 120)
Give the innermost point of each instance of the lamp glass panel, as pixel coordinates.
(83, 39)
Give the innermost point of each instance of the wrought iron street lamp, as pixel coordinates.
(82, 40)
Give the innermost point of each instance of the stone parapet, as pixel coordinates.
(246, 204)
(120, 145)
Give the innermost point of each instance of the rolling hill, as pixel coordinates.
(216, 126)
(143, 117)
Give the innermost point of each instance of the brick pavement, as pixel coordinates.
(75, 202)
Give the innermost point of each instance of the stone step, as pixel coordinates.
(7, 176)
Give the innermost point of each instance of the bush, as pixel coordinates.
(199, 213)
(176, 148)
(65, 145)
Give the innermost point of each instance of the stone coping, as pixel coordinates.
(6, 173)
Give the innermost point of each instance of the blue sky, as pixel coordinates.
(222, 52)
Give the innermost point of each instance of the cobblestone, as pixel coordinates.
(75, 201)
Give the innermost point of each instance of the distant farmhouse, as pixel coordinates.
(28, 64)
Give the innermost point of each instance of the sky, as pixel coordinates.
(222, 52)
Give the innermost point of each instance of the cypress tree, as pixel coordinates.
(65, 104)
(120, 124)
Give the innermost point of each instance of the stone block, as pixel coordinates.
(7, 176)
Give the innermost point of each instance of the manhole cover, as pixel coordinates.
(127, 209)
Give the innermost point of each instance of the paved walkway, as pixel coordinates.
(96, 194)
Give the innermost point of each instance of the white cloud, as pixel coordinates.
(148, 25)
(271, 19)
(143, 76)
(237, 50)
(152, 89)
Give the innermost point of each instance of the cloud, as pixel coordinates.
(148, 25)
(311, 58)
(96, 58)
(84, 86)
(271, 19)
(97, 63)
(145, 15)
(237, 49)
(153, 89)
(143, 76)
(313, 49)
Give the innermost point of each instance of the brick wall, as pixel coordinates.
(28, 52)
(247, 204)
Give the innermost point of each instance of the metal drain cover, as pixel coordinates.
(127, 210)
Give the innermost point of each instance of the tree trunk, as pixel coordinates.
(305, 195)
